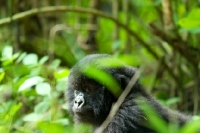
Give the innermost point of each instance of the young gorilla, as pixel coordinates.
(90, 101)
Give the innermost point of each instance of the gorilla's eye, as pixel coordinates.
(103, 87)
(87, 90)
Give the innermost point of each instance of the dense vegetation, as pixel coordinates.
(41, 40)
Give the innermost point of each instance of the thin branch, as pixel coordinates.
(196, 90)
(126, 7)
(49, 9)
(167, 14)
(122, 97)
(54, 9)
(90, 41)
(115, 12)
(178, 44)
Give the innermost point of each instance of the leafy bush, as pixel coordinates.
(32, 93)
(32, 98)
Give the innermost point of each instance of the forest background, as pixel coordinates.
(41, 40)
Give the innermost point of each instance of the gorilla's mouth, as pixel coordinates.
(83, 112)
(85, 116)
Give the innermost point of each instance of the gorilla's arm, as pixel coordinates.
(130, 115)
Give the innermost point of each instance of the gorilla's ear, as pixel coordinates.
(124, 76)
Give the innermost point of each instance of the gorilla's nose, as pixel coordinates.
(79, 102)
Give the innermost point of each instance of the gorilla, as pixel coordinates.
(91, 97)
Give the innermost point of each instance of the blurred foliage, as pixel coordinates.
(27, 96)
(38, 51)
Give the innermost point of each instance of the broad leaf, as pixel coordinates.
(192, 20)
(30, 59)
(7, 52)
(43, 89)
(30, 82)
(33, 117)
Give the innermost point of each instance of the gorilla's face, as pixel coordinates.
(87, 100)
(91, 97)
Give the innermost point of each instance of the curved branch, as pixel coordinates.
(178, 44)
(121, 99)
(53, 9)
(49, 9)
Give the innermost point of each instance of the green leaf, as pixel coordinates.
(192, 20)
(43, 59)
(172, 101)
(30, 82)
(116, 45)
(2, 74)
(30, 59)
(191, 127)
(130, 60)
(55, 63)
(61, 85)
(7, 52)
(82, 128)
(6, 117)
(48, 127)
(21, 57)
(61, 74)
(154, 120)
(15, 108)
(33, 117)
(42, 107)
(62, 121)
(104, 78)
(43, 89)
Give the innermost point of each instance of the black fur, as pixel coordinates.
(97, 102)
